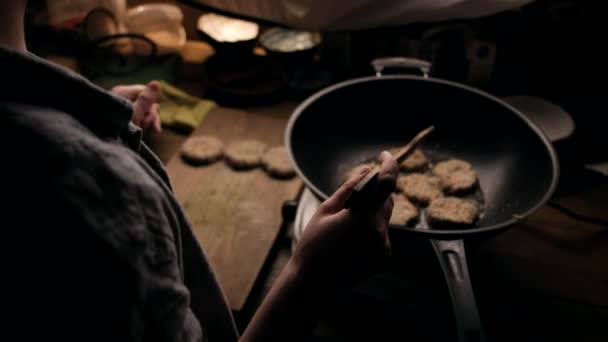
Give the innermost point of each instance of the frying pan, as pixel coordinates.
(352, 121)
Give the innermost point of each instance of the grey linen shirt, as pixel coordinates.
(95, 246)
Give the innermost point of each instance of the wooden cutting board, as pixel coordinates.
(236, 215)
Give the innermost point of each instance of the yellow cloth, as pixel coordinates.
(180, 110)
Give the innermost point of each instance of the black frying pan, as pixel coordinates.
(350, 122)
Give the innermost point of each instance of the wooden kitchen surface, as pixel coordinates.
(236, 215)
(544, 278)
(554, 254)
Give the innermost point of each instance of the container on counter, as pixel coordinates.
(161, 23)
(228, 36)
(70, 13)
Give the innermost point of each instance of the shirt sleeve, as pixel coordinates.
(127, 213)
(88, 253)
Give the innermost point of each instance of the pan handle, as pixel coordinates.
(401, 62)
(454, 265)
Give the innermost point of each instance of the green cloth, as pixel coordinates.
(180, 110)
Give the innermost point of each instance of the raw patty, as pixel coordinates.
(276, 162)
(419, 187)
(456, 175)
(404, 211)
(245, 154)
(452, 210)
(415, 161)
(202, 150)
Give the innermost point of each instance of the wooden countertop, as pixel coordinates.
(549, 259)
(544, 278)
(235, 214)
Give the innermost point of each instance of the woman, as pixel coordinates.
(97, 246)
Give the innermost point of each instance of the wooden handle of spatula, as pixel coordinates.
(400, 156)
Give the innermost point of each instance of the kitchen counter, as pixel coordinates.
(546, 277)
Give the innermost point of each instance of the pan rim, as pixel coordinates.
(444, 234)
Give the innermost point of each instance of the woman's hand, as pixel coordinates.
(145, 107)
(339, 247)
(343, 246)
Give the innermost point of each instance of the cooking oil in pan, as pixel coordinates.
(475, 194)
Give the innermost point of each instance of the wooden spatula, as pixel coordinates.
(400, 156)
